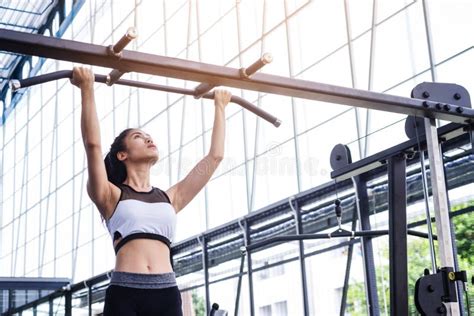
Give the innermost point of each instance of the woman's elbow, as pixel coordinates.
(216, 158)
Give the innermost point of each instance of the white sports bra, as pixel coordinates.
(147, 215)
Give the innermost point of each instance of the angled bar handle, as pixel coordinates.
(249, 106)
(63, 74)
(203, 88)
(113, 77)
(17, 84)
(256, 66)
(116, 51)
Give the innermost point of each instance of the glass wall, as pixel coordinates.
(50, 228)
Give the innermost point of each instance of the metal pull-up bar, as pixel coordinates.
(91, 54)
(115, 52)
(63, 74)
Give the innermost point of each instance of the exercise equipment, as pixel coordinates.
(215, 311)
(92, 54)
(432, 291)
(115, 52)
(421, 105)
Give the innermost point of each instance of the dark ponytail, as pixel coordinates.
(116, 170)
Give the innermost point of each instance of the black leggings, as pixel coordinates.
(128, 301)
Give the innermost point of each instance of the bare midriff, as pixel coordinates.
(143, 256)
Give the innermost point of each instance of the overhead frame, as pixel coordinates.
(213, 75)
(133, 61)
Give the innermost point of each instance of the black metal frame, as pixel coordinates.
(299, 231)
(12, 284)
(397, 218)
(96, 281)
(367, 250)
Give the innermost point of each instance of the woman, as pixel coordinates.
(140, 218)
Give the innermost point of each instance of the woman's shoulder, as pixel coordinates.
(162, 193)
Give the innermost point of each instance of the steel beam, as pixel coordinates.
(26, 283)
(345, 288)
(362, 205)
(205, 267)
(299, 230)
(249, 269)
(74, 51)
(448, 132)
(440, 202)
(397, 223)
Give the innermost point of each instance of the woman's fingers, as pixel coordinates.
(82, 77)
(222, 97)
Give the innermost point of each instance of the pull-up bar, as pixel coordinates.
(115, 52)
(68, 50)
(63, 74)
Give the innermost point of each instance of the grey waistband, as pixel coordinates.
(143, 280)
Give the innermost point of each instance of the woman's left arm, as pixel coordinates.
(184, 191)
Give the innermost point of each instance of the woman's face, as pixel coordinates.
(140, 147)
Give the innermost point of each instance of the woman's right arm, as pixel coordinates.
(100, 190)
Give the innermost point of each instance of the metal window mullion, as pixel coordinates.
(168, 119)
(257, 121)
(301, 255)
(54, 140)
(244, 116)
(73, 202)
(203, 121)
(73, 228)
(93, 239)
(20, 215)
(183, 111)
(353, 75)
(14, 198)
(429, 40)
(429, 43)
(293, 114)
(79, 219)
(2, 170)
(40, 182)
(22, 198)
(136, 46)
(114, 103)
(56, 127)
(371, 71)
(27, 157)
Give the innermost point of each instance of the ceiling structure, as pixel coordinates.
(48, 17)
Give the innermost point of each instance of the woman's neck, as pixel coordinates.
(138, 178)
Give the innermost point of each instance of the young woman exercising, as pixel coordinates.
(141, 218)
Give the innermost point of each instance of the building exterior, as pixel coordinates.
(50, 228)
